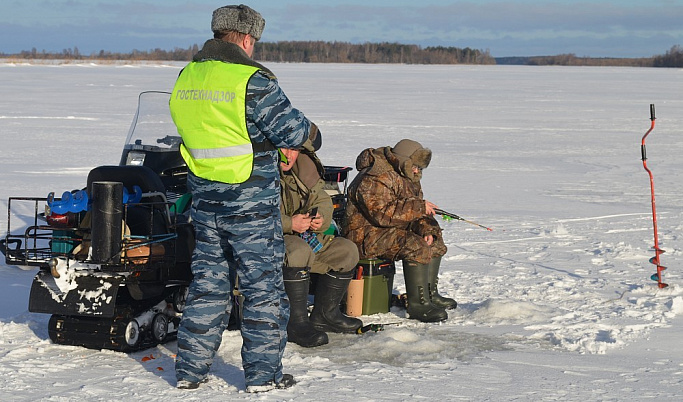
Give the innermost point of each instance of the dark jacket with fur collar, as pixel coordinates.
(228, 52)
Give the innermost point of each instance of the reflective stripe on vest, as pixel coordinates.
(208, 106)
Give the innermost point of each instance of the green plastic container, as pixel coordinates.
(378, 283)
(63, 242)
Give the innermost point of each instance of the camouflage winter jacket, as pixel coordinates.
(383, 196)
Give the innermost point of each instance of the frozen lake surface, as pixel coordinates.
(555, 303)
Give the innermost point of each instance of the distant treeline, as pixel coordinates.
(294, 52)
(177, 54)
(572, 60)
(672, 58)
(344, 52)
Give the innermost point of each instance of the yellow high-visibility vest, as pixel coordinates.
(208, 106)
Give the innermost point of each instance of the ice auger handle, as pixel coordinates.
(643, 151)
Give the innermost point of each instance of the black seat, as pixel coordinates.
(130, 176)
(149, 218)
(334, 175)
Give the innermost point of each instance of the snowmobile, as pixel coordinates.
(113, 257)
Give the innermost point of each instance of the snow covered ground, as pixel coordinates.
(556, 302)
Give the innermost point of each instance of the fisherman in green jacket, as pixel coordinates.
(306, 211)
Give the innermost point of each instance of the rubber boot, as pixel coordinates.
(327, 315)
(435, 297)
(420, 306)
(286, 382)
(299, 328)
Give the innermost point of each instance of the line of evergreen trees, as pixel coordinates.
(296, 52)
(177, 54)
(672, 58)
(344, 52)
(571, 59)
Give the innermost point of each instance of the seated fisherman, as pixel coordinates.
(306, 211)
(387, 217)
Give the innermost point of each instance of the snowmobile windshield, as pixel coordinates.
(153, 141)
(152, 128)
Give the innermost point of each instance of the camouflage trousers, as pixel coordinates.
(339, 254)
(398, 244)
(251, 246)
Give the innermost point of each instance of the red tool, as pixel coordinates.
(658, 251)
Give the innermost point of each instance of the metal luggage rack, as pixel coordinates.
(39, 242)
(32, 247)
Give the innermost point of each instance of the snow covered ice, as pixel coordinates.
(556, 303)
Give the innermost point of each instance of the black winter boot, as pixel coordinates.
(299, 328)
(286, 382)
(436, 298)
(326, 315)
(420, 306)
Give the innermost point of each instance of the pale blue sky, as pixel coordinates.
(597, 28)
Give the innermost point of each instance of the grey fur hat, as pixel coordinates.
(243, 19)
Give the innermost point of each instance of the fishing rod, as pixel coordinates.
(449, 215)
(658, 251)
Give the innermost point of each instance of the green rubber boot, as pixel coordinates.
(420, 306)
(436, 298)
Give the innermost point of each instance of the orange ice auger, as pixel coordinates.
(658, 251)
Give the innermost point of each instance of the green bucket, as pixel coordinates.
(378, 283)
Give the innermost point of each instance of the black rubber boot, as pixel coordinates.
(326, 315)
(420, 306)
(435, 297)
(299, 328)
(286, 382)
